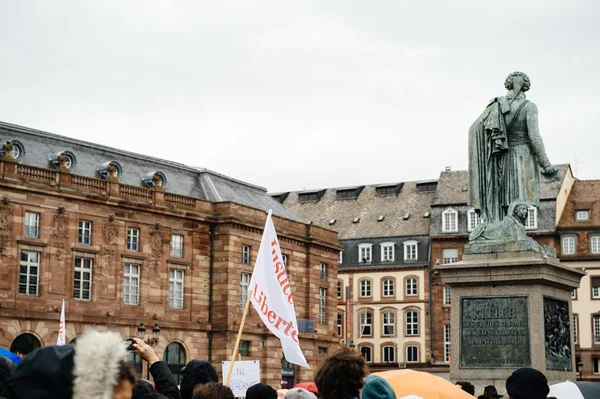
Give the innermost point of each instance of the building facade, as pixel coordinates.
(452, 220)
(383, 270)
(128, 240)
(579, 233)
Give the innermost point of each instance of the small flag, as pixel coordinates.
(272, 295)
(60, 340)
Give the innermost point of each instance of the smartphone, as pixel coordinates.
(129, 344)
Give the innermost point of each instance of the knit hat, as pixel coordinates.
(299, 393)
(527, 383)
(261, 391)
(141, 388)
(377, 388)
(194, 373)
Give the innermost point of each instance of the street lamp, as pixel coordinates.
(153, 340)
(580, 369)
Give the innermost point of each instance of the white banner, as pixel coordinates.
(245, 373)
(271, 295)
(60, 340)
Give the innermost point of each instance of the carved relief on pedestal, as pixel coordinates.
(6, 219)
(110, 231)
(156, 244)
(60, 232)
(108, 258)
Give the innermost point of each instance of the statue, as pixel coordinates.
(506, 152)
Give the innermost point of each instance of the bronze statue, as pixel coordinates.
(506, 152)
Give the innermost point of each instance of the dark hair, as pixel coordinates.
(508, 83)
(341, 375)
(212, 390)
(467, 387)
(125, 373)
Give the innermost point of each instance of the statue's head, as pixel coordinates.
(517, 81)
(519, 210)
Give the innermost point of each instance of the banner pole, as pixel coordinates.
(237, 341)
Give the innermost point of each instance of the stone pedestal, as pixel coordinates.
(510, 310)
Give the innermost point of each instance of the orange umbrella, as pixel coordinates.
(428, 386)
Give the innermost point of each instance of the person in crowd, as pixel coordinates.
(377, 388)
(490, 392)
(300, 393)
(194, 373)
(163, 379)
(6, 369)
(95, 367)
(141, 388)
(212, 390)
(527, 383)
(467, 387)
(261, 391)
(341, 376)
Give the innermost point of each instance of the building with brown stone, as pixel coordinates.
(579, 232)
(383, 271)
(451, 222)
(127, 240)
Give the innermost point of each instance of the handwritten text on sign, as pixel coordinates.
(245, 374)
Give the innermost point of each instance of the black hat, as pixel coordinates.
(261, 391)
(490, 392)
(194, 373)
(527, 383)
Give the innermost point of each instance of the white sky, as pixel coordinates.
(300, 94)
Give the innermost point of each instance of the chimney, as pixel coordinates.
(448, 168)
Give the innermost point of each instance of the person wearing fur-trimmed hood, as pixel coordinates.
(95, 367)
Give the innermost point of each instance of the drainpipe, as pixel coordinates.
(211, 228)
(430, 269)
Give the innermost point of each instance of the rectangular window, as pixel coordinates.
(365, 288)
(364, 254)
(449, 221)
(244, 284)
(474, 220)
(388, 287)
(365, 324)
(411, 286)
(133, 239)
(244, 348)
(410, 250)
(447, 343)
(340, 257)
(574, 294)
(412, 323)
(32, 224)
(339, 289)
(245, 254)
(131, 284)
(595, 244)
(595, 287)
(531, 222)
(568, 245)
(176, 277)
(177, 246)
(284, 258)
(387, 252)
(449, 255)
(412, 354)
(575, 331)
(82, 282)
(323, 272)
(322, 305)
(84, 232)
(596, 362)
(340, 325)
(389, 354)
(596, 329)
(322, 352)
(447, 295)
(582, 216)
(29, 272)
(389, 323)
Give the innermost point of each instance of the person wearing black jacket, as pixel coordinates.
(6, 368)
(163, 379)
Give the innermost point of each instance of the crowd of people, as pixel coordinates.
(96, 367)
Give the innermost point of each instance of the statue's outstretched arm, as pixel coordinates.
(537, 144)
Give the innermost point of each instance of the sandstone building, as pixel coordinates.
(383, 269)
(127, 240)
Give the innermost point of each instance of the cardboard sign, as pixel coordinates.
(245, 374)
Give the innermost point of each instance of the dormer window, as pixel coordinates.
(473, 220)
(365, 253)
(154, 179)
(531, 222)
(310, 196)
(110, 169)
(582, 216)
(449, 221)
(17, 149)
(348, 193)
(63, 158)
(388, 189)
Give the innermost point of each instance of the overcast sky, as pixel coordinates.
(303, 94)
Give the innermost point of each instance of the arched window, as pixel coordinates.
(412, 354)
(366, 323)
(388, 321)
(449, 221)
(367, 353)
(412, 323)
(388, 287)
(25, 344)
(389, 354)
(136, 362)
(174, 356)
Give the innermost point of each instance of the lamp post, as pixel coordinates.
(580, 370)
(151, 341)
